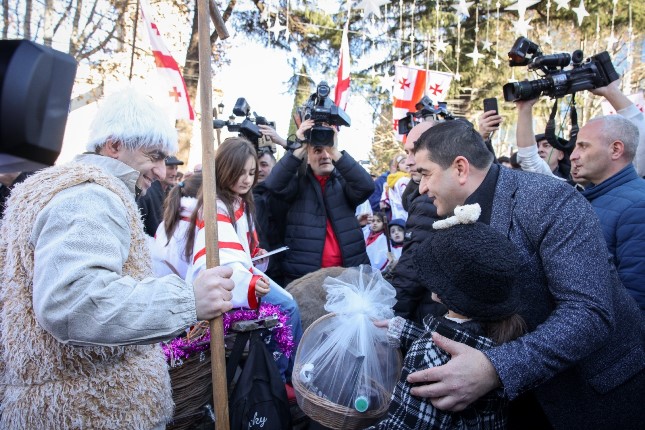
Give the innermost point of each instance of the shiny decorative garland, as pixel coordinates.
(197, 340)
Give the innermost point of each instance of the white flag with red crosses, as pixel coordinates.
(437, 85)
(174, 85)
(409, 85)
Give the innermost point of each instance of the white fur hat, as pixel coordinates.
(132, 118)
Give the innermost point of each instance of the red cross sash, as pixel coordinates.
(173, 82)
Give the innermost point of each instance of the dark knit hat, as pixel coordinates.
(472, 268)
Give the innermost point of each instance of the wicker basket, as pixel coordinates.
(331, 414)
(191, 390)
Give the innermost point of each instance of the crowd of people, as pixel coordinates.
(520, 288)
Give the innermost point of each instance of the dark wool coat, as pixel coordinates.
(348, 186)
(270, 213)
(413, 300)
(585, 354)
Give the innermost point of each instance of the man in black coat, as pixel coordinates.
(321, 228)
(270, 213)
(151, 203)
(411, 300)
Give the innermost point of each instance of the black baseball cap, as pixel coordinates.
(171, 160)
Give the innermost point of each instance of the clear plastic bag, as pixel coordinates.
(345, 370)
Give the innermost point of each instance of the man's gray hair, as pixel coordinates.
(133, 119)
(617, 127)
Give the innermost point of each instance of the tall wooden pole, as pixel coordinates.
(218, 362)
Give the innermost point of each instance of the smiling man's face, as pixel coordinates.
(438, 183)
(150, 163)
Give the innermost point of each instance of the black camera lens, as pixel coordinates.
(323, 90)
(526, 90)
(321, 136)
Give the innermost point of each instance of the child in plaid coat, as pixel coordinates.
(472, 270)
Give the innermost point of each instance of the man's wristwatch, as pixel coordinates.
(295, 143)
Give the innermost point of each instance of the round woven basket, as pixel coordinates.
(331, 414)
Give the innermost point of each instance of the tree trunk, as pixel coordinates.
(303, 91)
(48, 31)
(5, 19)
(191, 77)
(74, 42)
(26, 26)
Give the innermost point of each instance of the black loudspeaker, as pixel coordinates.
(35, 88)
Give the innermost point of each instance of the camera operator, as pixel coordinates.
(534, 159)
(534, 153)
(271, 134)
(321, 229)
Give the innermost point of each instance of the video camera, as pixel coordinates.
(35, 88)
(425, 108)
(323, 111)
(597, 71)
(248, 128)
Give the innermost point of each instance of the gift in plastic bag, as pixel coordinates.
(345, 371)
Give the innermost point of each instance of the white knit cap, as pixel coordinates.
(133, 119)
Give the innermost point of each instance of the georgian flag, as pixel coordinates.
(342, 85)
(409, 87)
(437, 85)
(173, 82)
(636, 98)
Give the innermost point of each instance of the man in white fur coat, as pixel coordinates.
(81, 316)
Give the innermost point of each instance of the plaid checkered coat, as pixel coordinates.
(408, 412)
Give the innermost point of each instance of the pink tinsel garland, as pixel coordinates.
(181, 348)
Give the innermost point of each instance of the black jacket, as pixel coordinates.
(151, 208)
(305, 228)
(270, 213)
(413, 302)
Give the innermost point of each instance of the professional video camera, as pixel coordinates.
(35, 88)
(425, 108)
(249, 126)
(323, 111)
(595, 72)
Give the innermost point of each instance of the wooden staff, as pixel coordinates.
(218, 359)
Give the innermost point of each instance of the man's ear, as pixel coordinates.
(616, 149)
(462, 168)
(112, 148)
